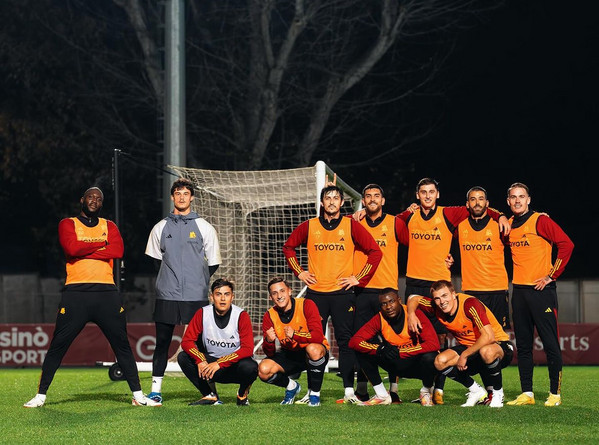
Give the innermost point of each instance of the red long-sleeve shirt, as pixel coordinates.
(362, 241)
(427, 337)
(314, 327)
(75, 249)
(554, 234)
(193, 336)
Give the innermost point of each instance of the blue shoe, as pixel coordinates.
(314, 400)
(290, 395)
(155, 396)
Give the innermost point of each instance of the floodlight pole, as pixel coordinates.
(174, 104)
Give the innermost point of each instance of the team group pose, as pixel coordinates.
(352, 277)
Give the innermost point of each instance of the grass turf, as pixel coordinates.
(85, 406)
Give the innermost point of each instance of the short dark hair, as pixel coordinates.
(518, 184)
(182, 183)
(373, 186)
(275, 280)
(476, 188)
(221, 282)
(441, 284)
(427, 181)
(389, 290)
(328, 189)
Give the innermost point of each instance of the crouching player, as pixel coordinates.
(296, 323)
(218, 345)
(401, 353)
(483, 346)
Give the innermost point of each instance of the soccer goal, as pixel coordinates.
(254, 212)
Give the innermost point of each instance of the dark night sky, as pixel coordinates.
(523, 107)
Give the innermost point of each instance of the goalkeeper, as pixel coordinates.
(399, 352)
(296, 324)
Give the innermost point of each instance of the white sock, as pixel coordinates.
(440, 391)
(429, 390)
(157, 384)
(380, 390)
(138, 395)
(529, 393)
(497, 393)
(393, 387)
(314, 393)
(291, 385)
(42, 397)
(349, 392)
(474, 387)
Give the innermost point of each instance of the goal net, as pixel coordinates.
(254, 212)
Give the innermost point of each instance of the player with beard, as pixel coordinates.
(482, 257)
(388, 232)
(431, 229)
(483, 260)
(90, 245)
(331, 242)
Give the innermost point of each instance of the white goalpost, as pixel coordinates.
(253, 213)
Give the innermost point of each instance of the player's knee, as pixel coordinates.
(315, 351)
(265, 369)
(441, 362)
(490, 353)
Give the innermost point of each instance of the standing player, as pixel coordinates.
(483, 346)
(482, 257)
(534, 299)
(296, 324)
(188, 249)
(388, 232)
(483, 260)
(90, 245)
(218, 346)
(431, 229)
(331, 241)
(401, 353)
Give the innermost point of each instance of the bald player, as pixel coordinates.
(90, 245)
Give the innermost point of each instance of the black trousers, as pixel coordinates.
(76, 309)
(417, 367)
(244, 372)
(341, 308)
(532, 308)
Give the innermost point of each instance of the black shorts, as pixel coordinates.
(293, 362)
(176, 312)
(475, 362)
(498, 304)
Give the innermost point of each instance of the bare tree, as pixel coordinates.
(265, 78)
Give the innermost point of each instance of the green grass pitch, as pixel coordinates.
(85, 406)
